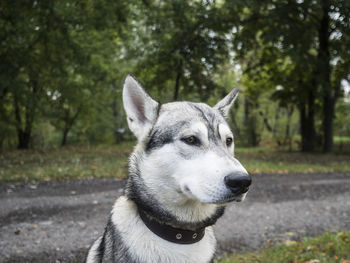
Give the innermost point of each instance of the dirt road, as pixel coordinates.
(56, 222)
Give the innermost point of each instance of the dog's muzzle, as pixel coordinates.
(238, 183)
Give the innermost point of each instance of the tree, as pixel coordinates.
(46, 50)
(333, 38)
(291, 44)
(178, 47)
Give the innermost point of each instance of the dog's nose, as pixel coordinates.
(238, 183)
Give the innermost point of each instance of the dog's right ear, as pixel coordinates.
(141, 109)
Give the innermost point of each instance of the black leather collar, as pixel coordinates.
(171, 234)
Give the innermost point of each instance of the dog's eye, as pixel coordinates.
(229, 141)
(192, 140)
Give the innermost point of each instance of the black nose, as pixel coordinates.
(238, 183)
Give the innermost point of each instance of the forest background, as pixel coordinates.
(62, 66)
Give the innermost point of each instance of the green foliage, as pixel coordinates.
(342, 118)
(56, 61)
(299, 47)
(62, 64)
(182, 49)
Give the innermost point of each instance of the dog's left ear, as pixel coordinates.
(225, 104)
(141, 109)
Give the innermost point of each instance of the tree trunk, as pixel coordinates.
(328, 111)
(64, 137)
(68, 124)
(23, 139)
(23, 135)
(177, 81)
(288, 137)
(323, 77)
(177, 87)
(250, 124)
(307, 123)
(118, 137)
(25, 117)
(236, 129)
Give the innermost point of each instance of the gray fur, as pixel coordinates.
(225, 104)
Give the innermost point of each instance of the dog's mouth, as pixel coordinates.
(237, 196)
(225, 200)
(219, 198)
(230, 199)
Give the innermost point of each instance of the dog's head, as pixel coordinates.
(186, 150)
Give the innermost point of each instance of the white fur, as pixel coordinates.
(187, 181)
(91, 257)
(225, 104)
(205, 176)
(148, 247)
(189, 187)
(158, 171)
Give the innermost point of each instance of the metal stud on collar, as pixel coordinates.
(178, 236)
(194, 236)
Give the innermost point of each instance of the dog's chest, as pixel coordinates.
(144, 246)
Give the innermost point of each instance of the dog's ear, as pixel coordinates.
(141, 109)
(225, 104)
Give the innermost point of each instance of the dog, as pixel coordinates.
(182, 174)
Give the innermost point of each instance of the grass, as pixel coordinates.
(111, 161)
(272, 160)
(64, 164)
(328, 248)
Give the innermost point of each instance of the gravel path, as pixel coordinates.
(56, 222)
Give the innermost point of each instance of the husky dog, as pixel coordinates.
(182, 173)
